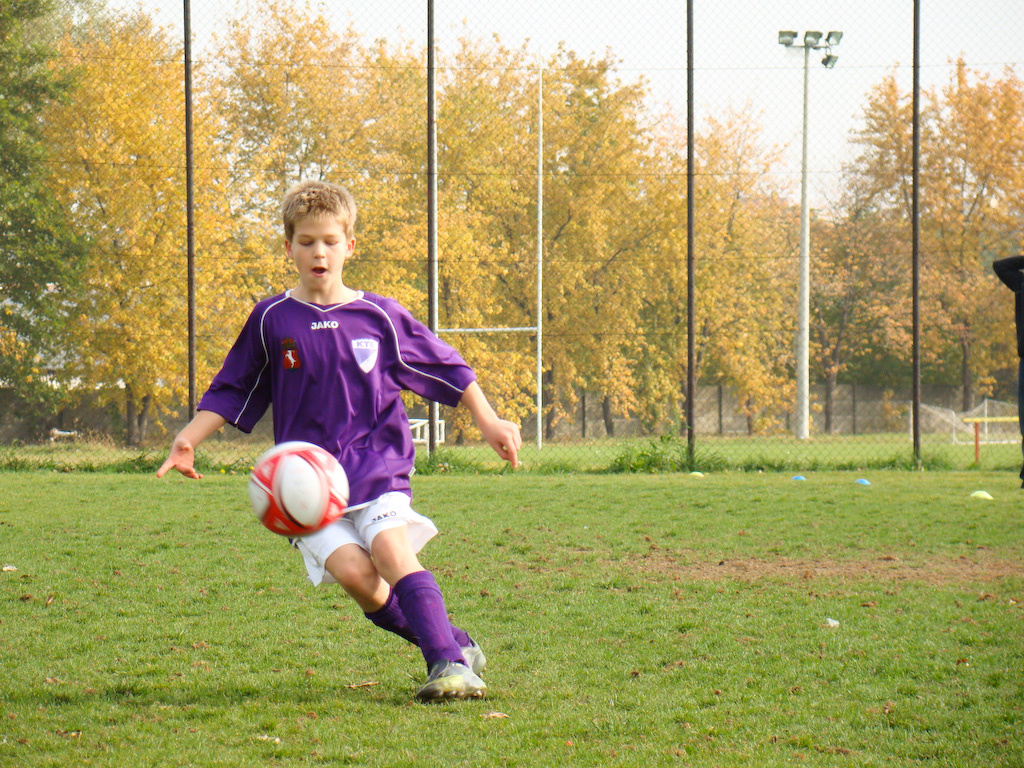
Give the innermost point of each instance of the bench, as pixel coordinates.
(420, 429)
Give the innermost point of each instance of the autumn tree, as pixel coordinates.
(38, 253)
(744, 271)
(860, 301)
(119, 173)
(486, 112)
(972, 201)
(597, 231)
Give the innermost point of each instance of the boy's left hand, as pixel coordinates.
(181, 458)
(504, 437)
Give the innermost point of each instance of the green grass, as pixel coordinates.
(632, 620)
(229, 452)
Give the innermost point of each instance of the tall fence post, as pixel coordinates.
(431, 208)
(916, 240)
(190, 227)
(691, 348)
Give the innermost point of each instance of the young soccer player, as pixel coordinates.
(332, 361)
(1009, 271)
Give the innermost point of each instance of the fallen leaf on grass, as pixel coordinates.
(367, 684)
(54, 680)
(69, 734)
(835, 750)
(494, 715)
(8, 567)
(274, 739)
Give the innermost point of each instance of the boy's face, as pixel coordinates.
(319, 249)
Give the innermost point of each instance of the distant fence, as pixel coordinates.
(580, 185)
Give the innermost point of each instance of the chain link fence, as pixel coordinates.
(562, 208)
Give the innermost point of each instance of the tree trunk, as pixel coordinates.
(142, 424)
(130, 425)
(606, 412)
(136, 417)
(548, 379)
(966, 380)
(831, 382)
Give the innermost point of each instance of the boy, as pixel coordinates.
(332, 361)
(1009, 271)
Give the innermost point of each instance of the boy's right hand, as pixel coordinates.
(181, 458)
(183, 449)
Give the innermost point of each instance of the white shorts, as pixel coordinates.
(360, 526)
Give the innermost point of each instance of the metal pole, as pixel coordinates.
(691, 347)
(432, 426)
(190, 228)
(804, 299)
(915, 235)
(540, 254)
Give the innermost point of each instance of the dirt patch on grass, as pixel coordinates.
(981, 567)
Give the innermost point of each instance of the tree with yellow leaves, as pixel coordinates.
(972, 202)
(38, 255)
(744, 272)
(119, 173)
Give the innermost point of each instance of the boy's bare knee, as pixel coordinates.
(393, 555)
(352, 568)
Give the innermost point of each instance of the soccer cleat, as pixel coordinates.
(474, 657)
(451, 680)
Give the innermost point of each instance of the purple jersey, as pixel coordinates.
(334, 376)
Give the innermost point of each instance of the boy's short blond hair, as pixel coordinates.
(318, 199)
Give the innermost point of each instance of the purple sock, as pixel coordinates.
(461, 637)
(421, 603)
(391, 618)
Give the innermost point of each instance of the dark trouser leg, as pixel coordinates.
(1020, 409)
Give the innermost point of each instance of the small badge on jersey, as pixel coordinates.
(290, 354)
(365, 351)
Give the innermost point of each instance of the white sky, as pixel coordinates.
(737, 56)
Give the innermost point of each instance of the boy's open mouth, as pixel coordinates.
(320, 270)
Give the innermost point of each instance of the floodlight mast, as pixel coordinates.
(812, 42)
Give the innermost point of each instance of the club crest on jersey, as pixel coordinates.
(365, 351)
(290, 355)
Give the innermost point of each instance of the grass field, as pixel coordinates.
(629, 620)
(232, 452)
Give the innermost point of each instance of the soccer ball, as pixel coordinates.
(297, 488)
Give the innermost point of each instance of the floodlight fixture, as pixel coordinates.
(811, 38)
(829, 61)
(787, 37)
(834, 37)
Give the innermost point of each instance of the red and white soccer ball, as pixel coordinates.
(297, 488)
